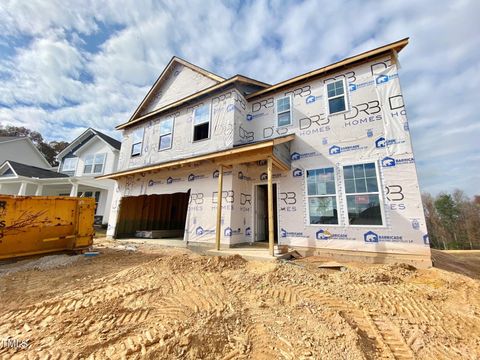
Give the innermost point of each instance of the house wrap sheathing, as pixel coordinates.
(370, 139)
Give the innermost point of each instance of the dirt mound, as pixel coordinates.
(380, 274)
(185, 263)
(186, 306)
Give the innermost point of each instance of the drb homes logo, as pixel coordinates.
(248, 231)
(228, 231)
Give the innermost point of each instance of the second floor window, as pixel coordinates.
(137, 142)
(166, 134)
(322, 196)
(284, 111)
(69, 164)
(336, 97)
(94, 163)
(201, 123)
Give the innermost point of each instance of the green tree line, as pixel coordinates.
(48, 149)
(453, 220)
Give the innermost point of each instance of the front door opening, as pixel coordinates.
(153, 216)
(261, 213)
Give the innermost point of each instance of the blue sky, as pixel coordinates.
(69, 65)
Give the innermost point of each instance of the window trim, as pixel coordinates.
(209, 122)
(335, 176)
(290, 111)
(170, 133)
(380, 195)
(138, 142)
(94, 156)
(74, 168)
(345, 96)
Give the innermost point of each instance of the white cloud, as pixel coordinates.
(43, 75)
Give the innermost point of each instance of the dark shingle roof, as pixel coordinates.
(115, 143)
(34, 172)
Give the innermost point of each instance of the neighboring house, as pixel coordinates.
(22, 150)
(91, 154)
(332, 146)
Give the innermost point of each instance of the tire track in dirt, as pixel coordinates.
(392, 337)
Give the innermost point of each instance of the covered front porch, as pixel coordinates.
(168, 179)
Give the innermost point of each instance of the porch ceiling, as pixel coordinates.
(237, 155)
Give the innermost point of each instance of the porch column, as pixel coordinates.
(74, 190)
(23, 189)
(1, 187)
(219, 208)
(39, 190)
(271, 235)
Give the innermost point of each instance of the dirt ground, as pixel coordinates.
(160, 303)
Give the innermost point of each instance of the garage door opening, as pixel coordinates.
(153, 216)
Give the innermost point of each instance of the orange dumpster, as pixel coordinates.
(41, 224)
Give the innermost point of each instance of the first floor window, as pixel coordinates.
(69, 164)
(362, 191)
(137, 142)
(94, 163)
(201, 123)
(336, 97)
(284, 111)
(322, 196)
(166, 134)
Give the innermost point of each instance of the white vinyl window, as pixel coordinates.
(137, 142)
(322, 196)
(201, 123)
(69, 164)
(166, 134)
(363, 196)
(284, 111)
(94, 164)
(336, 96)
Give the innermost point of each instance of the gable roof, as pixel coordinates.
(85, 136)
(216, 87)
(396, 46)
(32, 171)
(111, 141)
(6, 139)
(174, 60)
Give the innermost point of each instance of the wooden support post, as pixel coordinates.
(271, 235)
(218, 229)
